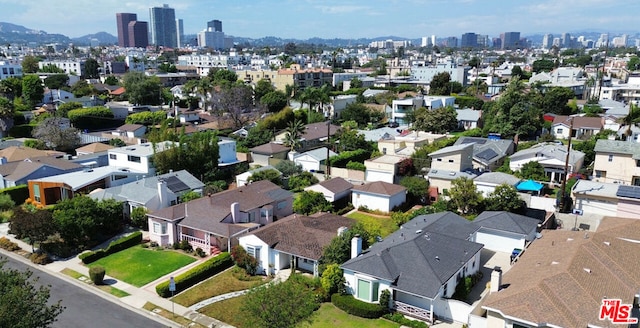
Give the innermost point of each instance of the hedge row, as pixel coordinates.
(18, 193)
(341, 160)
(197, 274)
(115, 246)
(349, 304)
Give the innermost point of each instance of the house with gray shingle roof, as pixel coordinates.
(617, 162)
(297, 238)
(152, 193)
(213, 221)
(20, 172)
(488, 154)
(503, 231)
(420, 264)
(551, 156)
(487, 182)
(379, 195)
(265, 153)
(333, 189)
(468, 118)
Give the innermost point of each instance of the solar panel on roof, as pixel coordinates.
(487, 154)
(628, 191)
(175, 185)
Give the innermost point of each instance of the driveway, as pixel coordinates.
(488, 261)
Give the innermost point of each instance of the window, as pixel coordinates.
(282, 205)
(36, 192)
(559, 130)
(601, 174)
(635, 181)
(610, 158)
(255, 252)
(113, 156)
(160, 228)
(450, 161)
(439, 159)
(135, 159)
(364, 290)
(252, 216)
(637, 162)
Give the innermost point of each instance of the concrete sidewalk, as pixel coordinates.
(138, 296)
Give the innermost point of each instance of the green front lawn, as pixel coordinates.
(222, 283)
(375, 225)
(329, 316)
(139, 266)
(227, 311)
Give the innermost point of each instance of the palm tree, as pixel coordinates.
(292, 134)
(6, 115)
(632, 119)
(323, 96)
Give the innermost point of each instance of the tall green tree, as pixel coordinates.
(268, 174)
(505, 198)
(6, 115)
(32, 90)
(36, 225)
(465, 196)
(441, 120)
(23, 304)
(225, 76)
(57, 81)
(262, 88)
(417, 187)
(11, 88)
(196, 153)
(309, 202)
(142, 89)
(30, 64)
(339, 249)
(532, 170)
(82, 221)
(274, 101)
(53, 136)
(513, 113)
(91, 69)
(292, 134)
(440, 84)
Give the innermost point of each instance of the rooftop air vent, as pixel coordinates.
(419, 231)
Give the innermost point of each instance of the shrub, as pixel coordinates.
(19, 194)
(40, 258)
(341, 160)
(197, 274)
(358, 308)
(399, 318)
(385, 298)
(356, 166)
(200, 252)
(243, 260)
(185, 246)
(96, 274)
(8, 244)
(114, 247)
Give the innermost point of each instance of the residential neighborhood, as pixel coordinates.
(211, 180)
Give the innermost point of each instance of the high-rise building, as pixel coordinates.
(547, 41)
(510, 40)
(138, 34)
(215, 25)
(123, 20)
(452, 42)
(566, 40)
(425, 41)
(180, 32)
(163, 26)
(469, 40)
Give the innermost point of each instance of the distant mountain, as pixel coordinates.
(12, 33)
(103, 38)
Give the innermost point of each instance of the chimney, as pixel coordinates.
(235, 212)
(163, 193)
(496, 279)
(356, 246)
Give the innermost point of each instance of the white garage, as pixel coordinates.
(500, 241)
(503, 231)
(373, 175)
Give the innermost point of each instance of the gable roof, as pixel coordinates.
(207, 213)
(319, 154)
(549, 150)
(497, 178)
(562, 278)
(380, 188)
(269, 148)
(18, 153)
(506, 221)
(422, 255)
(618, 147)
(579, 122)
(450, 149)
(15, 171)
(303, 236)
(318, 130)
(487, 151)
(95, 147)
(143, 190)
(336, 185)
(130, 127)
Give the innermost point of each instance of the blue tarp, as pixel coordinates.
(529, 185)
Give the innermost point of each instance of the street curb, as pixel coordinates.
(95, 291)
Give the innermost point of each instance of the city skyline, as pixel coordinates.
(337, 19)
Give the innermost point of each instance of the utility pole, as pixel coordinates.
(566, 169)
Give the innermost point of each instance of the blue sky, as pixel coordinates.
(338, 18)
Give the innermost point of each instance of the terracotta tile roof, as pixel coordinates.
(562, 277)
(380, 188)
(303, 236)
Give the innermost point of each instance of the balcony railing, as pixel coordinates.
(413, 311)
(192, 239)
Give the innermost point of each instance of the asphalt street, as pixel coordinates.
(84, 309)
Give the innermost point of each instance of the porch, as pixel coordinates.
(413, 311)
(209, 244)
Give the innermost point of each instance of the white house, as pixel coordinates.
(295, 240)
(10, 68)
(227, 151)
(137, 157)
(333, 189)
(503, 231)
(242, 179)
(313, 160)
(401, 107)
(130, 131)
(551, 156)
(486, 183)
(382, 168)
(379, 195)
